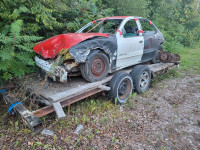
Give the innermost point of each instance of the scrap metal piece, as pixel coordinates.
(29, 118)
(168, 57)
(175, 58)
(164, 56)
(70, 64)
(103, 87)
(79, 129)
(54, 71)
(47, 132)
(59, 111)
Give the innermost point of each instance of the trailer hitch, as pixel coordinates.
(32, 121)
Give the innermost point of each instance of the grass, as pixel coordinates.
(189, 63)
(190, 60)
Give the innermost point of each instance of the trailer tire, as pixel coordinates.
(155, 58)
(96, 68)
(121, 86)
(141, 75)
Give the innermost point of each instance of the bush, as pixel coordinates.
(16, 54)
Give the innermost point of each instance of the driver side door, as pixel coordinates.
(130, 43)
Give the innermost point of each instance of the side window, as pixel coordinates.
(147, 27)
(130, 29)
(110, 27)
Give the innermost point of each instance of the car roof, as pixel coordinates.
(114, 17)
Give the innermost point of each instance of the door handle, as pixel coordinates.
(140, 41)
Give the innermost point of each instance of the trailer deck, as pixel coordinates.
(76, 84)
(59, 95)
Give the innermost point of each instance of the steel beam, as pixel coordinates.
(28, 117)
(49, 109)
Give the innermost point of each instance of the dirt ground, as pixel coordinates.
(165, 117)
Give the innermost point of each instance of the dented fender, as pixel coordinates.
(92, 54)
(82, 51)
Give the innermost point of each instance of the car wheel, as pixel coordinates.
(141, 75)
(96, 68)
(121, 86)
(155, 57)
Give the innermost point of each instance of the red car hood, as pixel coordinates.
(51, 47)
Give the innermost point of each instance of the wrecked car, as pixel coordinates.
(100, 47)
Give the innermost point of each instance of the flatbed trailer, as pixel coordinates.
(59, 95)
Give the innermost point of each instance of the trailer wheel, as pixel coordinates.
(141, 75)
(155, 58)
(121, 87)
(96, 68)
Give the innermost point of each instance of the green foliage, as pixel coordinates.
(179, 21)
(47, 17)
(129, 7)
(81, 12)
(22, 21)
(38, 16)
(16, 54)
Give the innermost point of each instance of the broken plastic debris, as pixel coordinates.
(121, 108)
(79, 129)
(47, 132)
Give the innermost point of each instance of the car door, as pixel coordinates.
(151, 39)
(130, 43)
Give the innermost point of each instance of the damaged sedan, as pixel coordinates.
(100, 47)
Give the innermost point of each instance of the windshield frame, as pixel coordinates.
(98, 21)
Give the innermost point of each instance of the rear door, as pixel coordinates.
(130, 43)
(151, 39)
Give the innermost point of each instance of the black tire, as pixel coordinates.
(82, 67)
(121, 87)
(155, 57)
(141, 75)
(96, 68)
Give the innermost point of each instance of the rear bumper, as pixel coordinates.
(53, 71)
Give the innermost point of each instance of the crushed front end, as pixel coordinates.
(53, 71)
(57, 69)
(55, 58)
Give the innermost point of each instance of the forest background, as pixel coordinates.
(25, 22)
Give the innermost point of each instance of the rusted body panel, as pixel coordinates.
(168, 57)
